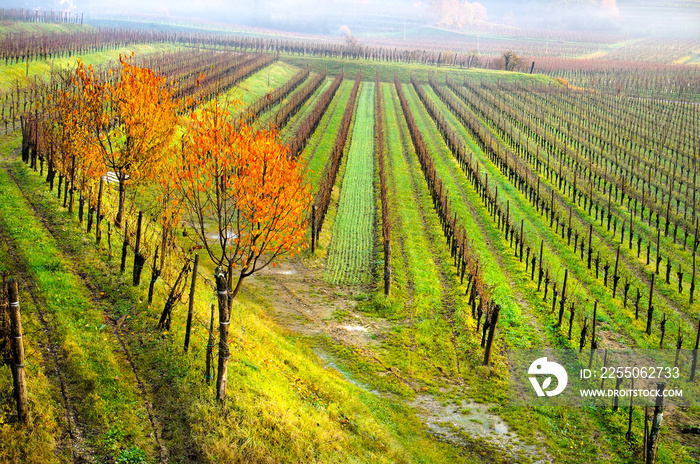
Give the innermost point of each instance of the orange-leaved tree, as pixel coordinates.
(133, 125)
(245, 200)
(68, 130)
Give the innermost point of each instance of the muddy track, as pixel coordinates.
(155, 427)
(290, 293)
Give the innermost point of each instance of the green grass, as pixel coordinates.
(259, 84)
(351, 249)
(619, 322)
(15, 27)
(25, 73)
(295, 121)
(544, 419)
(102, 386)
(608, 241)
(41, 440)
(386, 70)
(320, 144)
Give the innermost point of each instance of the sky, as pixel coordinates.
(325, 16)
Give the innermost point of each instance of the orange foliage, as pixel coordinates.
(133, 123)
(245, 184)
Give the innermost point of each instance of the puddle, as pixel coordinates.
(354, 328)
(230, 235)
(473, 420)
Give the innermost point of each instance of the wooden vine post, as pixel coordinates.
(19, 380)
(139, 259)
(387, 267)
(313, 229)
(628, 435)
(210, 347)
(98, 217)
(125, 248)
(492, 331)
(650, 310)
(653, 440)
(224, 321)
(190, 310)
(593, 343)
(695, 353)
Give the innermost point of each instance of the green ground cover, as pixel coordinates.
(351, 250)
(23, 73)
(102, 386)
(295, 121)
(612, 323)
(320, 144)
(13, 27)
(386, 70)
(258, 85)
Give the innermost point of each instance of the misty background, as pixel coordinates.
(392, 18)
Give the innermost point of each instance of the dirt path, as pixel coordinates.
(304, 305)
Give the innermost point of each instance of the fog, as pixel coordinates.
(371, 17)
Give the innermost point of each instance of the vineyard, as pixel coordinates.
(255, 249)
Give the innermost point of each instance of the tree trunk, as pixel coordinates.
(492, 330)
(98, 217)
(139, 259)
(120, 212)
(224, 321)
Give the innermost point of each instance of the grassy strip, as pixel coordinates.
(420, 341)
(101, 384)
(404, 70)
(350, 254)
(321, 142)
(41, 441)
(519, 333)
(262, 82)
(294, 122)
(18, 27)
